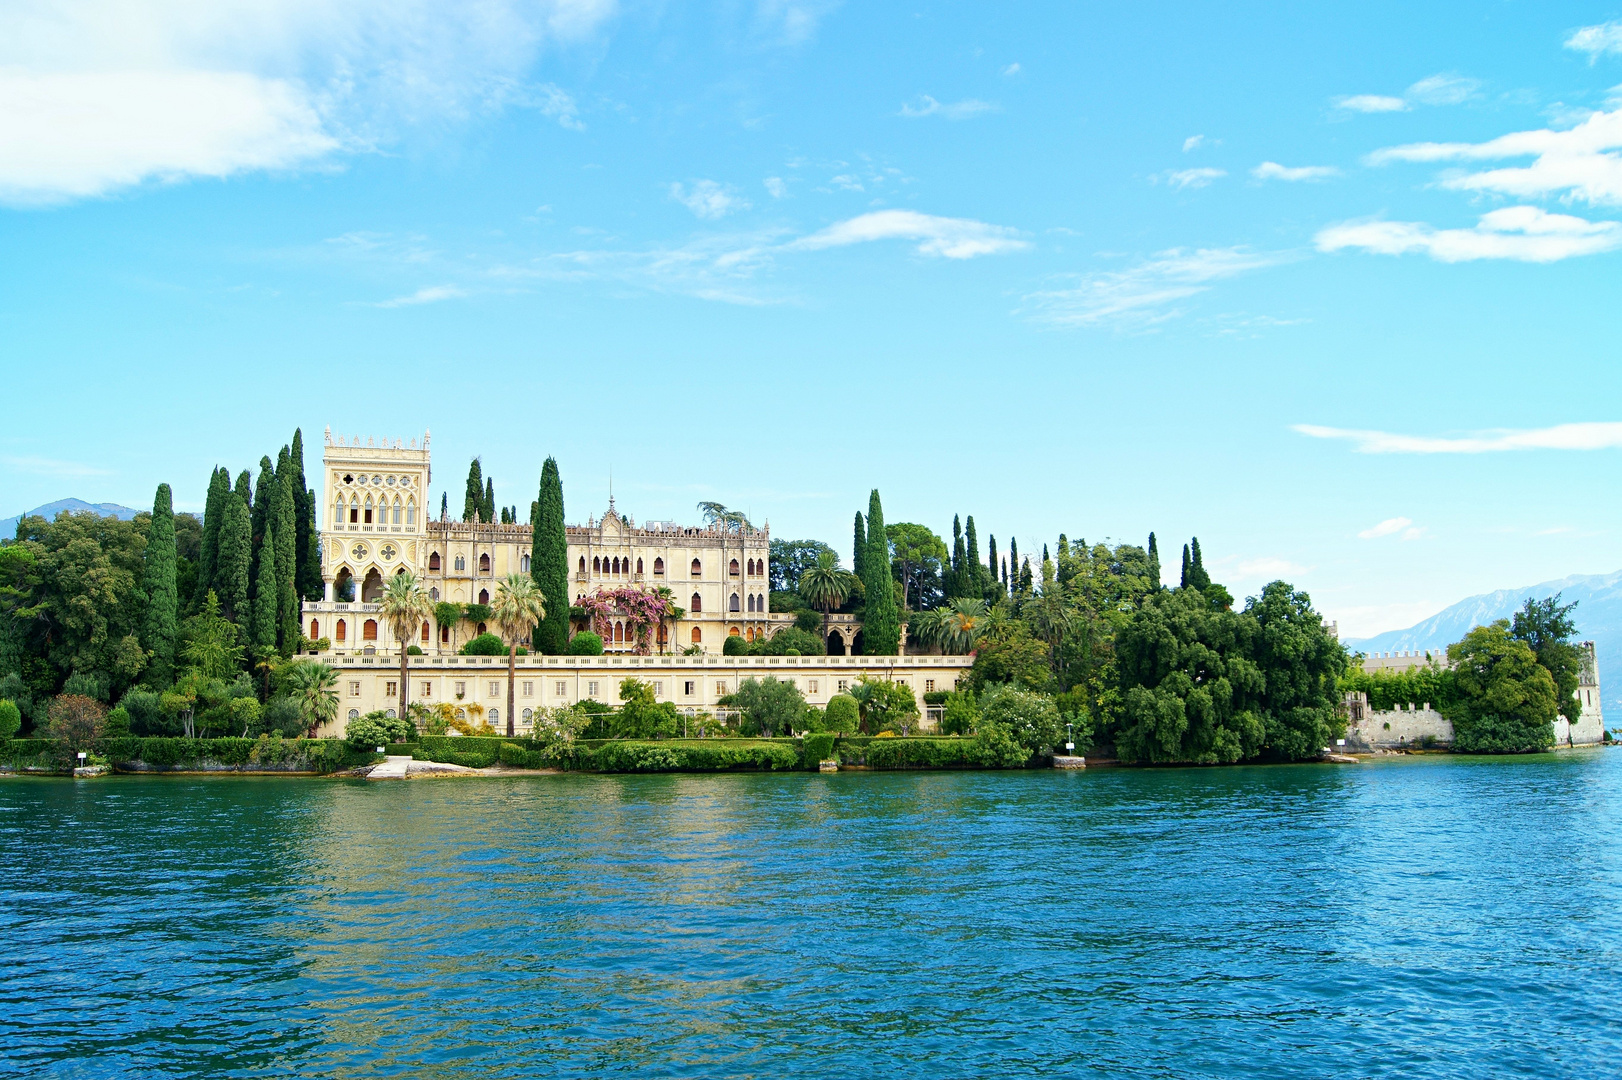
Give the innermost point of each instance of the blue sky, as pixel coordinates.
(1333, 288)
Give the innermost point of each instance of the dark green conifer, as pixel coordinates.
(974, 571)
(487, 509)
(1154, 562)
(549, 561)
(1183, 579)
(161, 625)
(444, 505)
(991, 570)
(235, 557)
(473, 499)
(881, 621)
(266, 597)
(306, 537)
(284, 527)
(858, 548)
(219, 486)
(1197, 576)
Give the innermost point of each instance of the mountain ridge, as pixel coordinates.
(8, 526)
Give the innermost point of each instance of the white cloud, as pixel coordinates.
(427, 295)
(791, 22)
(1371, 103)
(1522, 233)
(957, 110)
(98, 95)
(1443, 90)
(1193, 142)
(1272, 170)
(1146, 293)
(1596, 41)
(1580, 162)
(1579, 436)
(1192, 178)
(953, 238)
(41, 466)
(708, 200)
(1011, 69)
(776, 187)
(1385, 528)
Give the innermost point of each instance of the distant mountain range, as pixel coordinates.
(1598, 618)
(8, 526)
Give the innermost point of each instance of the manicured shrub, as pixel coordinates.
(841, 715)
(920, 753)
(377, 729)
(700, 755)
(818, 747)
(484, 645)
(585, 643)
(11, 719)
(118, 722)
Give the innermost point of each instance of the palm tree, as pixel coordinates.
(519, 607)
(404, 606)
(826, 586)
(965, 621)
(314, 686)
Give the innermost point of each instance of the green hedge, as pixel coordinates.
(818, 747)
(472, 751)
(291, 755)
(33, 753)
(692, 755)
(920, 753)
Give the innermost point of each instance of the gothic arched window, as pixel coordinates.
(433, 561)
(697, 603)
(733, 604)
(698, 568)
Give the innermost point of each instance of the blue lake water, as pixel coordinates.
(1413, 918)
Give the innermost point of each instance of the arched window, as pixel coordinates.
(411, 511)
(444, 635)
(315, 629)
(484, 598)
(368, 630)
(658, 567)
(749, 568)
(425, 630)
(596, 564)
(639, 566)
(619, 633)
(523, 563)
(354, 509)
(389, 713)
(529, 714)
(433, 594)
(698, 568)
(582, 564)
(616, 564)
(338, 511)
(484, 563)
(398, 510)
(495, 716)
(760, 602)
(354, 714)
(751, 602)
(461, 562)
(480, 629)
(734, 632)
(341, 631)
(732, 568)
(698, 635)
(697, 603)
(368, 519)
(734, 604)
(433, 561)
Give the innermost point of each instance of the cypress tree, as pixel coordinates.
(473, 499)
(881, 622)
(160, 627)
(261, 504)
(1154, 562)
(284, 528)
(991, 555)
(444, 505)
(488, 508)
(1025, 578)
(974, 571)
(1197, 576)
(306, 538)
(266, 597)
(1013, 561)
(534, 516)
(952, 575)
(1183, 580)
(219, 486)
(235, 556)
(1005, 575)
(858, 550)
(549, 561)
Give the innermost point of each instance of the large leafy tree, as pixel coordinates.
(916, 554)
(405, 606)
(1507, 701)
(790, 559)
(1547, 628)
(1301, 666)
(549, 561)
(519, 607)
(770, 706)
(160, 627)
(881, 621)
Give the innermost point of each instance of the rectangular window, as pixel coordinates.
(658, 688)
(591, 689)
(689, 688)
(391, 689)
(461, 689)
(721, 689)
(354, 688)
(427, 690)
(354, 515)
(563, 688)
(844, 684)
(811, 686)
(495, 689)
(529, 689)
(368, 515)
(929, 685)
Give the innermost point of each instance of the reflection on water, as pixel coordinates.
(1414, 918)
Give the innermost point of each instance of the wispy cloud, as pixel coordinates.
(429, 294)
(1603, 435)
(1579, 162)
(99, 95)
(708, 200)
(1598, 40)
(1521, 233)
(1193, 142)
(956, 110)
(1146, 293)
(43, 466)
(1370, 103)
(790, 22)
(1011, 69)
(952, 238)
(1190, 178)
(776, 188)
(1385, 528)
(1272, 170)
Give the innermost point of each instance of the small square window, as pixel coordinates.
(563, 688)
(844, 684)
(354, 688)
(929, 685)
(529, 689)
(689, 688)
(427, 690)
(721, 689)
(591, 689)
(391, 688)
(811, 686)
(461, 688)
(658, 688)
(495, 689)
